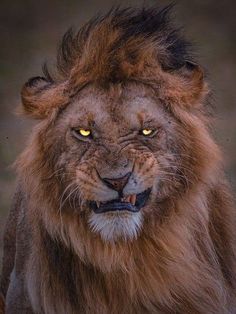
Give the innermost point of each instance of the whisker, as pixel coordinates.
(64, 192)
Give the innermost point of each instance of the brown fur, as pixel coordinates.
(2, 305)
(183, 260)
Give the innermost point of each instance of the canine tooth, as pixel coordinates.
(128, 199)
(98, 204)
(133, 199)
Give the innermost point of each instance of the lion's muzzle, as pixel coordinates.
(131, 203)
(121, 217)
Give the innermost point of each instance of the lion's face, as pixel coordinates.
(123, 131)
(119, 157)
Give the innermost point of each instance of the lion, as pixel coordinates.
(122, 205)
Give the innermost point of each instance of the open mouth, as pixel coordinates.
(132, 203)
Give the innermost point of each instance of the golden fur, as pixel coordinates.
(114, 76)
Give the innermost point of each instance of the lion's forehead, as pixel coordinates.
(124, 109)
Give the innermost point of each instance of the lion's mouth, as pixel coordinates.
(132, 203)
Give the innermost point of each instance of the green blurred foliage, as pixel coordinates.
(30, 31)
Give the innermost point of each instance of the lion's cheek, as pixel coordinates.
(142, 180)
(91, 188)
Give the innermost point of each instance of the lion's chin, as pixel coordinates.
(114, 226)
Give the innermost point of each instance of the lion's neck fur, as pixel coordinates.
(173, 263)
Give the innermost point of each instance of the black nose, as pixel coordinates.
(117, 184)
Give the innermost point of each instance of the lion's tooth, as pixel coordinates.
(128, 199)
(133, 199)
(98, 204)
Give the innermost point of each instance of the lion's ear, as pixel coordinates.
(186, 87)
(196, 87)
(31, 95)
(194, 72)
(41, 96)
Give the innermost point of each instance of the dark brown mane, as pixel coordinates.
(124, 45)
(120, 41)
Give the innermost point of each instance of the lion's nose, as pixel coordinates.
(117, 184)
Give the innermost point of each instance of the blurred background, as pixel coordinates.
(30, 31)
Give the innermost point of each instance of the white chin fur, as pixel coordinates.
(116, 225)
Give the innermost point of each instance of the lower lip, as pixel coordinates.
(116, 206)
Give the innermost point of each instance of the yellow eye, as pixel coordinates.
(147, 132)
(84, 132)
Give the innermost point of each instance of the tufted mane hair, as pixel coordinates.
(126, 44)
(113, 45)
